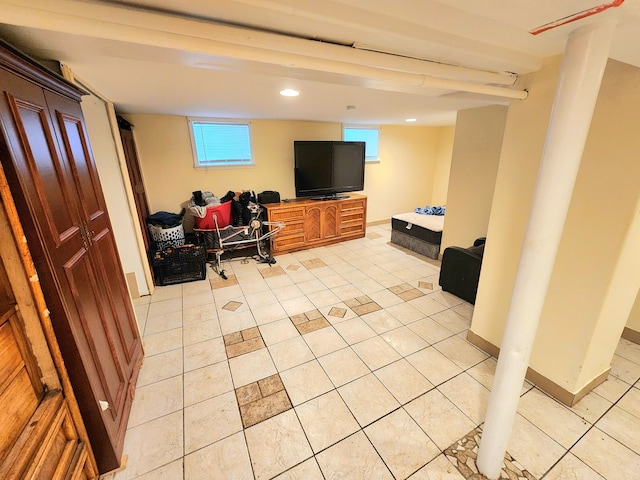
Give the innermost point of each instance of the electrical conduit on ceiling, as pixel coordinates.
(158, 30)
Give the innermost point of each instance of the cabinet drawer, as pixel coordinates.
(286, 214)
(288, 242)
(352, 216)
(293, 226)
(351, 228)
(352, 205)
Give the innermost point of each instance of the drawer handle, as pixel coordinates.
(104, 405)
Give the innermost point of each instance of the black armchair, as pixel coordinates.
(460, 270)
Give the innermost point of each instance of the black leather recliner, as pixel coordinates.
(460, 270)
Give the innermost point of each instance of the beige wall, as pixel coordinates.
(443, 167)
(474, 166)
(402, 180)
(597, 271)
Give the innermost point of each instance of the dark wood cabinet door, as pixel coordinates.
(135, 176)
(53, 178)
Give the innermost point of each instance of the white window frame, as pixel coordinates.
(368, 159)
(199, 164)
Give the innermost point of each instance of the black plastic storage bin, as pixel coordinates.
(179, 264)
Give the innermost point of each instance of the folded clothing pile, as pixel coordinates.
(436, 210)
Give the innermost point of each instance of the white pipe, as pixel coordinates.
(171, 32)
(581, 74)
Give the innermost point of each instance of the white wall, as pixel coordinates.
(111, 178)
(474, 166)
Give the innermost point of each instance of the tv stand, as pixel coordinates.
(330, 197)
(310, 223)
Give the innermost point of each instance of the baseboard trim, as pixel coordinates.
(379, 222)
(543, 383)
(631, 335)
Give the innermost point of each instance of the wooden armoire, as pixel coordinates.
(52, 178)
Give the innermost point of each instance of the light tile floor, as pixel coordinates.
(379, 380)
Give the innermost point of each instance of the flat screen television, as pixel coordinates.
(323, 169)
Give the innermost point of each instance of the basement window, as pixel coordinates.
(368, 134)
(218, 143)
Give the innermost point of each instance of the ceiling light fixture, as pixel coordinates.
(411, 119)
(289, 92)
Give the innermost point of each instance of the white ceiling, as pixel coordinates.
(391, 59)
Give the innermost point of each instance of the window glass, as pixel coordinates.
(218, 143)
(369, 135)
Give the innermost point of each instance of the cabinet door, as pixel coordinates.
(53, 178)
(330, 221)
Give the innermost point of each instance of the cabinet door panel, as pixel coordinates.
(330, 222)
(312, 225)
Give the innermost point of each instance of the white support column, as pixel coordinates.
(581, 73)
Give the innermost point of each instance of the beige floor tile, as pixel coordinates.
(368, 399)
(237, 321)
(343, 366)
(197, 299)
(430, 330)
(461, 352)
(381, 321)
(287, 292)
(226, 459)
(622, 426)
(354, 330)
(404, 341)
(276, 445)
(376, 353)
(612, 389)
(199, 332)
(335, 280)
(326, 420)
(534, 449)
(152, 445)
(156, 400)
(204, 353)
(451, 320)
(323, 298)
(163, 322)
(469, 395)
(434, 365)
(162, 342)
(606, 456)
(268, 313)
(166, 293)
(307, 470)
(305, 382)
(438, 469)
(171, 471)
(345, 292)
(631, 402)
(290, 353)
(197, 314)
(297, 305)
(278, 331)
(207, 382)
(251, 367)
(591, 407)
(353, 458)
(165, 306)
(159, 367)
(623, 369)
(209, 421)
(439, 418)
(557, 421)
(572, 468)
(324, 341)
(405, 313)
(260, 299)
(427, 305)
(403, 381)
(401, 443)
(628, 350)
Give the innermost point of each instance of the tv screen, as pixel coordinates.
(325, 168)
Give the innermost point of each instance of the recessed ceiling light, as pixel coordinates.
(289, 92)
(410, 119)
(350, 108)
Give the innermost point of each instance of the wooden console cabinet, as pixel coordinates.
(314, 223)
